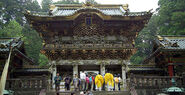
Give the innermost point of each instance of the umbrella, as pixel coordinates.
(7, 92)
(175, 89)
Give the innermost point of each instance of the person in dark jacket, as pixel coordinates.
(67, 83)
(57, 81)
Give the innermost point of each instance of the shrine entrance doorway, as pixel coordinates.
(89, 69)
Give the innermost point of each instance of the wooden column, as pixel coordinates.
(170, 70)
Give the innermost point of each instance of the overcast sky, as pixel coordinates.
(134, 5)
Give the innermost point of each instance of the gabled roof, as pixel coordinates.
(71, 11)
(67, 10)
(171, 42)
(6, 42)
(16, 44)
(167, 43)
(106, 11)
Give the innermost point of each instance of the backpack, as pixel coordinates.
(116, 80)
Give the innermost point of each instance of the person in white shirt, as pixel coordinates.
(119, 78)
(82, 78)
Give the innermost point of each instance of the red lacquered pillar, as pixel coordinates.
(170, 70)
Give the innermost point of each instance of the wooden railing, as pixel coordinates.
(27, 84)
(156, 82)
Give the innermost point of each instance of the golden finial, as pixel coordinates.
(88, 3)
(160, 38)
(27, 11)
(125, 7)
(52, 7)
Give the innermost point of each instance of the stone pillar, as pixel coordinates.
(75, 70)
(54, 72)
(102, 69)
(124, 77)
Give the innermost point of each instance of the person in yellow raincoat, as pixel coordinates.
(99, 82)
(109, 80)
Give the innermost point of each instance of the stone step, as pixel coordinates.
(94, 93)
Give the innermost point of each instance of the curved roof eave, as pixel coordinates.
(34, 17)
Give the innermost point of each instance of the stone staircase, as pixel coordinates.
(63, 92)
(94, 93)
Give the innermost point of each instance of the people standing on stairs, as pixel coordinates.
(103, 87)
(91, 82)
(82, 79)
(76, 82)
(119, 84)
(99, 82)
(109, 80)
(87, 82)
(67, 83)
(57, 81)
(116, 81)
(79, 84)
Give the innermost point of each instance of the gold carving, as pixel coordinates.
(125, 7)
(52, 7)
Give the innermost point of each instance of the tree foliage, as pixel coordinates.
(144, 41)
(43, 60)
(67, 2)
(171, 17)
(169, 20)
(10, 10)
(33, 42)
(13, 24)
(45, 5)
(12, 29)
(33, 5)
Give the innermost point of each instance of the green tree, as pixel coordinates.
(33, 42)
(92, 1)
(45, 5)
(12, 29)
(9, 10)
(33, 5)
(171, 17)
(144, 41)
(43, 60)
(67, 2)
(13, 10)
